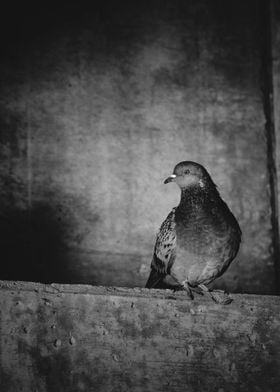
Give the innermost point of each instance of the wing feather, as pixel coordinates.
(164, 251)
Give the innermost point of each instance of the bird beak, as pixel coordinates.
(170, 179)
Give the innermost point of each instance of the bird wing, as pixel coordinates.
(164, 251)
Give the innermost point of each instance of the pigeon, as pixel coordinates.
(199, 238)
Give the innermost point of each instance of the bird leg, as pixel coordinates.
(185, 286)
(173, 281)
(218, 296)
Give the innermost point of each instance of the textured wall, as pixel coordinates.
(96, 108)
(275, 94)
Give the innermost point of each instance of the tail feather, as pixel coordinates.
(159, 280)
(154, 280)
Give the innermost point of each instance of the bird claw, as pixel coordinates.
(197, 290)
(220, 297)
(186, 287)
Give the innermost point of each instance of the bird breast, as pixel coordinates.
(202, 234)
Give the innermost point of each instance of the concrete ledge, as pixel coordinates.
(84, 338)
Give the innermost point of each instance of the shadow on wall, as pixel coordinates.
(32, 243)
(37, 243)
(45, 244)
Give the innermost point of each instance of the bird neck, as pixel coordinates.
(194, 198)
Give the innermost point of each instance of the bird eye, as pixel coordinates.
(187, 171)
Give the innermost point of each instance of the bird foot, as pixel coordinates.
(197, 290)
(185, 286)
(218, 296)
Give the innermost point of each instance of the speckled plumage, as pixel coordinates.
(200, 234)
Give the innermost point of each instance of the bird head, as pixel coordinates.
(188, 173)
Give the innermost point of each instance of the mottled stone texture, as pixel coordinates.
(275, 95)
(82, 338)
(97, 106)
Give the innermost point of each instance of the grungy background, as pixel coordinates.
(98, 104)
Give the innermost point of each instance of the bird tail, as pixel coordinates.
(160, 280)
(154, 279)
